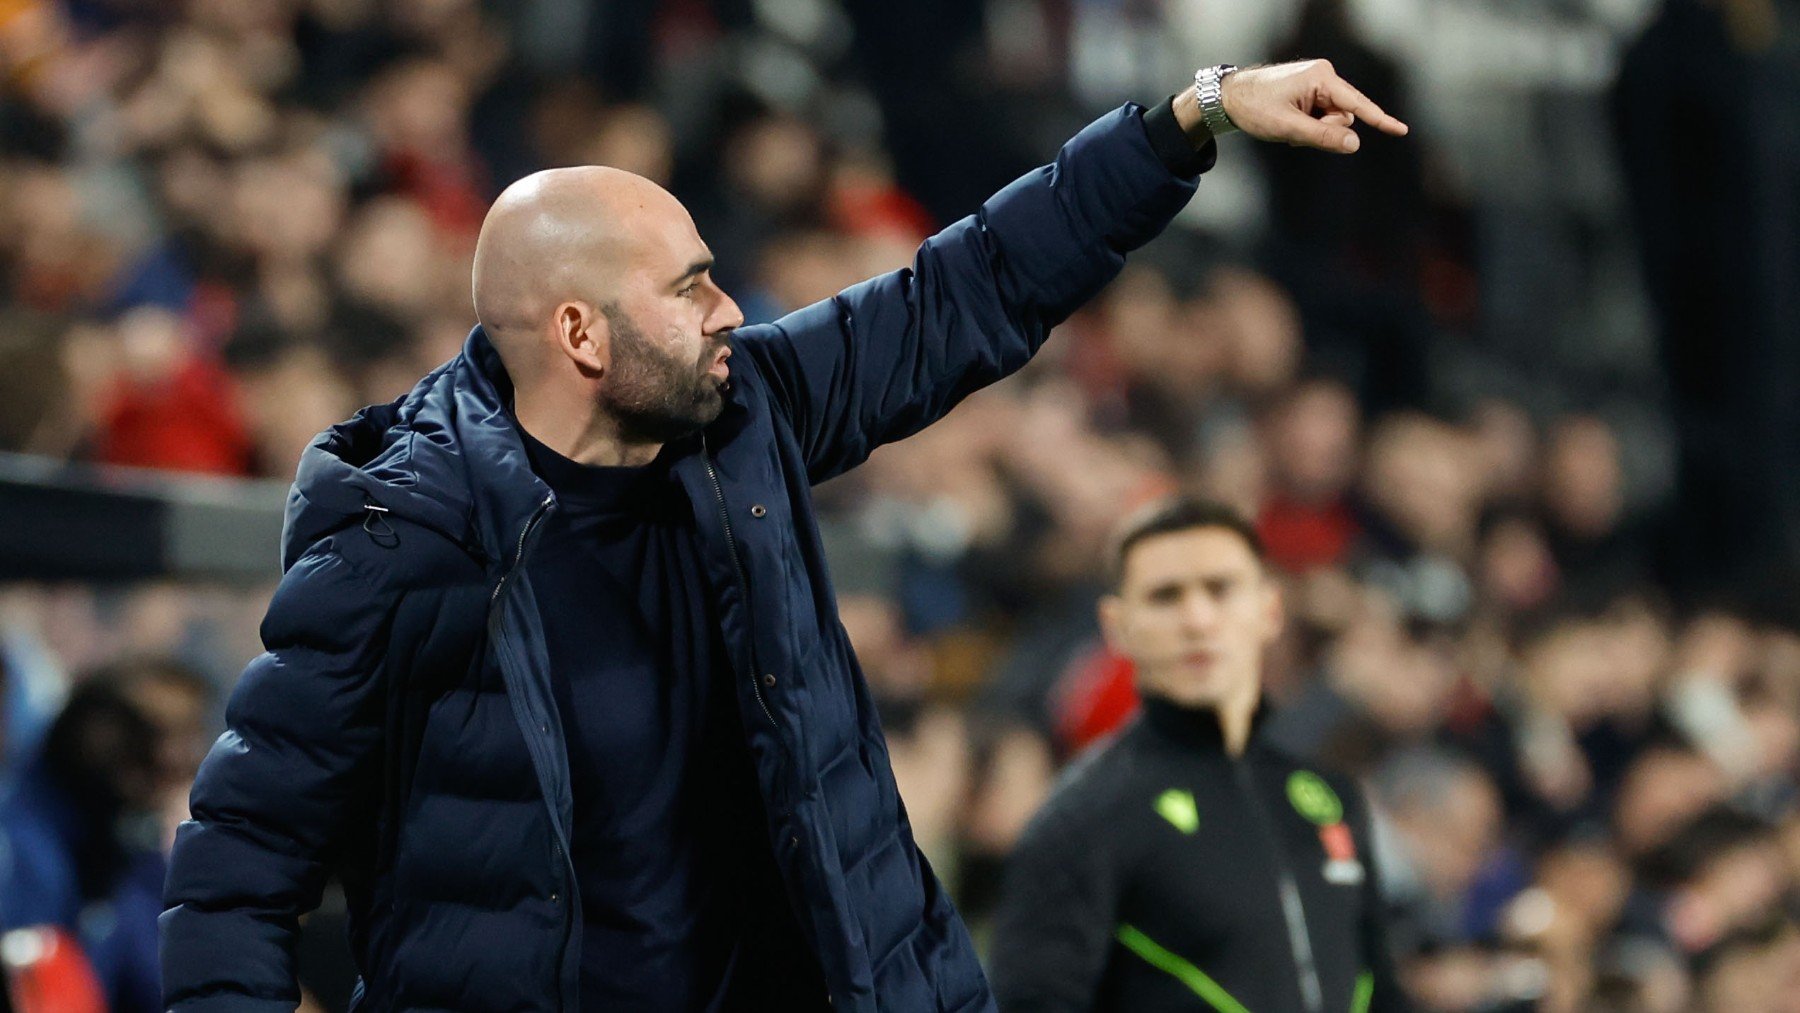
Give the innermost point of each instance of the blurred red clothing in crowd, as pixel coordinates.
(1305, 536)
(865, 202)
(450, 190)
(44, 971)
(1095, 695)
(189, 421)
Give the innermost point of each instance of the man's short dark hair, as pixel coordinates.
(1177, 513)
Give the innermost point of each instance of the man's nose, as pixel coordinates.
(726, 315)
(1199, 614)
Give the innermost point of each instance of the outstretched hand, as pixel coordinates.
(1304, 104)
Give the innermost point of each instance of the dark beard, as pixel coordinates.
(657, 398)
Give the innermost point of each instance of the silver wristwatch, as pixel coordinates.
(1209, 89)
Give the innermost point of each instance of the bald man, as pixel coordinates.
(554, 679)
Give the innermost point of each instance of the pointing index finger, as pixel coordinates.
(1344, 96)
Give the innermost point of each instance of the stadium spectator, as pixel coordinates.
(80, 844)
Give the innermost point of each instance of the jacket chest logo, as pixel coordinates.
(1177, 806)
(1315, 801)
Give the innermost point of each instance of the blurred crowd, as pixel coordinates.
(1505, 398)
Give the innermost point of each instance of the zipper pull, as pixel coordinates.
(376, 524)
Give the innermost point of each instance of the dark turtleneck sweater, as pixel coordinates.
(682, 905)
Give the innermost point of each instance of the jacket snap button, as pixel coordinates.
(555, 898)
(769, 680)
(759, 511)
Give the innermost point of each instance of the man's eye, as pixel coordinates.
(689, 291)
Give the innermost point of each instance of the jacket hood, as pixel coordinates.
(446, 456)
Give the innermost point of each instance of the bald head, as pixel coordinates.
(558, 236)
(597, 291)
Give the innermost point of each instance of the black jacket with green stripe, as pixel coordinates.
(1163, 874)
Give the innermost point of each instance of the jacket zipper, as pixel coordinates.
(1292, 911)
(737, 567)
(519, 553)
(569, 903)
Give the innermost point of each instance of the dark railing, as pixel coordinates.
(63, 521)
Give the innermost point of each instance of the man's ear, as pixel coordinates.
(1274, 608)
(1112, 621)
(583, 334)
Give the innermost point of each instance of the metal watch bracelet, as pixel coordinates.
(1209, 91)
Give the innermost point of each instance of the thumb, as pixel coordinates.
(1328, 134)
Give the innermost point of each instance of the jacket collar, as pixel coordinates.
(447, 456)
(504, 492)
(1197, 727)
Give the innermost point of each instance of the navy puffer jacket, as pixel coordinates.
(400, 727)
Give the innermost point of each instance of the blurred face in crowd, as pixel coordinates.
(1263, 327)
(597, 278)
(1736, 887)
(1450, 826)
(389, 257)
(177, 705)
(1518, 572)
(421, 105)
(1663, 790)
(1506, 444)
(1583, 479)
(777, 165)
(1314, 439)
(801, 268)
(636, 138)
(102, 751)
(1587, 885)
(1194, 612)
(1760, 977)
(1422, 478)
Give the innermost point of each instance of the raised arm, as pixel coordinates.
(273, 797)
(883, 359)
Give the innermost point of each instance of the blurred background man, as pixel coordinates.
(1188, 858)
